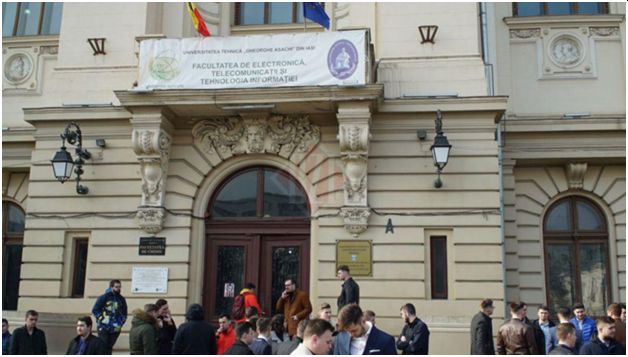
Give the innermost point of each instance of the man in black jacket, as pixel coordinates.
(350, 293)
(28, 339)
(167, 327)
(566, 334)
(482, 330)
(244, 337)
(544, 331)
(86, 343)
(605, 343)
(196, 336)
(415, 336)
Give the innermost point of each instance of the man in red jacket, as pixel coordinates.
(250, 300)
(225, 336)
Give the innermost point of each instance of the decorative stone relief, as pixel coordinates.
(152, 149)
(575, 174)
(277, 134)
(566, 51)
(604, 31)
(355, 219)
(18, 68)
(525, 33)
(566, 54)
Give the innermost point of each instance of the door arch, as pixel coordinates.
(257, 230)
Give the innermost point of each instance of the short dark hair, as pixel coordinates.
(114, 282)
(344, 268)
(161, 302)
(564, 312)
(301, 327)
(225, 316)
(349, 315)
(577, 305)
(564, 329)
(253, 322)
(325, 306)
(614, 309)
(242, 329)
(317, 327)
(544, 307)
(31, 313)
(150, 307)
(486, 303)
(276, 323)
(409, 308)
(622, 306)
(5, 321)
(517, 306)
(292, 280)
(263, 325)
(86, 319)
(250, 312)
(604, 320)
(250, 286)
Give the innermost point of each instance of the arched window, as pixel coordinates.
(12, 236)
(259, 192)
(575, 239)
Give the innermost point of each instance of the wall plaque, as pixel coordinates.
(357, 255)
(152, 246)
(149, 280)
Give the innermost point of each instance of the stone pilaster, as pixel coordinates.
(151, 141)
(354, 121)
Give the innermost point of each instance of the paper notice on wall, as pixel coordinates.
(229, 290)
(149, 280)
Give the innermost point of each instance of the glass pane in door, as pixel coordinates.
(229, 276)
(285, 264)
(562, 287)
(11, 276)
(593, 278)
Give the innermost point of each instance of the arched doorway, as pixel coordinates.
(257, 230)
(577, 265)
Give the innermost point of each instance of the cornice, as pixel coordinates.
(79, 113)
(566, 20)
(560, 124)
(497, 104)
(30, 40)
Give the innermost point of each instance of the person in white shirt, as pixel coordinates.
(317, 338)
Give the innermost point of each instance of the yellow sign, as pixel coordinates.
(357, 255)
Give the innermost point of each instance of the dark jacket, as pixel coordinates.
(378, 343)
(93, 346)
(261, 347)
(539, 336)
(196, 336)
(239, 348)
(516, 338)
(110, 311)
(165, 336)
(286, 347)
(24, 344)
(562, 350)
(596, 347)
(417, 338)
(143, 334)
(482, 335)
(6, 341)
(298, 304)
(350, 294)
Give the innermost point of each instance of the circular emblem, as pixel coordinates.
(164, 66)
(342, 59)
(18, 68)
(566, 51)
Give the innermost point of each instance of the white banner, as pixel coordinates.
(297, 59)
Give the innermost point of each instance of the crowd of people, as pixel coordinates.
(296, 331)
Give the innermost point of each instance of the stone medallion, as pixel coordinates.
(566, 51)
(18, 68)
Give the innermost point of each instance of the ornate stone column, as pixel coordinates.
(354, 120)
(151, 141)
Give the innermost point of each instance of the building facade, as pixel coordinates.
(257, 184)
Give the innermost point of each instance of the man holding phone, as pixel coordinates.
(295, 304)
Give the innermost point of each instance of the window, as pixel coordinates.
(264, 13)
(576, 255)
(12, 237)
(31, 18)
(79, 267)
(558, 8)
(260, 192)
(438, 266)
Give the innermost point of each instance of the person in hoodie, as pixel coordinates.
(250, 301)
(110, 311)
(143, 333)
(85, 343)
(196, 336)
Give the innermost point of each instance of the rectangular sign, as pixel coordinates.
(152, 246)
(357, 255)
(284, 60)
(149, 280)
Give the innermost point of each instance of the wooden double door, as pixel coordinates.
(266, 260)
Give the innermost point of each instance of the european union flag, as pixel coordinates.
(315, 12)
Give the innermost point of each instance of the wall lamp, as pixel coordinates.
(440, 149)
(62, 163)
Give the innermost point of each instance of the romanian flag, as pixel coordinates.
(199, 24)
